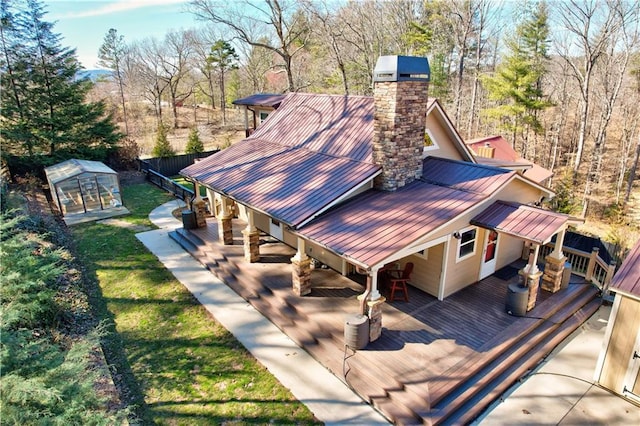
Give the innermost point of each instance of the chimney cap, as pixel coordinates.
(401, 68)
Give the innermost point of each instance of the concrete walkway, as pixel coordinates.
(559, 392)
(328, 398)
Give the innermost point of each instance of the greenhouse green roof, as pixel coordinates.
(71, 168)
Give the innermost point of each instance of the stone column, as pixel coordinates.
(553, 271)
(374, 313)
(532, 282)
(225, 230)
(200, 209)
(301, 270)
(251, 238)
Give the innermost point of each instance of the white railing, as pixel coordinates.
(584, 264)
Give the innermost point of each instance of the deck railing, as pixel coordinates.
(185, 194)
(584, 264)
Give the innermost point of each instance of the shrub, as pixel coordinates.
(194, 144)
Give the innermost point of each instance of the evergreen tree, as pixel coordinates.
(162, 148)
(194, 144)
(223, 58)
(43, 106)
(517, 83)
(111, 54)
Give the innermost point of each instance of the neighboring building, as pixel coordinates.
(83, 186)
(261, 105)
(497, 151)
(618, 367)
(360, 182)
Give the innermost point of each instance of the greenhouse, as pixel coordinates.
(83, 186)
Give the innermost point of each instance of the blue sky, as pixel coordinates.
(84, 23)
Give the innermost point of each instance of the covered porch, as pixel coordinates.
(435, 362)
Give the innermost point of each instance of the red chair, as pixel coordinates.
(401, 283)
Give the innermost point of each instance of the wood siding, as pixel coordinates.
(620, 347)
(426, 272)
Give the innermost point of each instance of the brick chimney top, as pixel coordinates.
(401, 68)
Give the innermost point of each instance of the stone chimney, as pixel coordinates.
(400, 86)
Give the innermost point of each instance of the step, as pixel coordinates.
(498, 376)
(494, 348)
(477, 406)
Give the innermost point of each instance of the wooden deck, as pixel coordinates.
(435, 363)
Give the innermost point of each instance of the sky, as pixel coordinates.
(84, 23)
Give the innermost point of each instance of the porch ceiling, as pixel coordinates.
(521, 221)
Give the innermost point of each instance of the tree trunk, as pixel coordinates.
(632, 173)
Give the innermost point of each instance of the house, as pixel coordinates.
(261, 105)
(360, 183)
(618, 367)
(496, 151)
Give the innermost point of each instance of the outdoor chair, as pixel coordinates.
(401, 283)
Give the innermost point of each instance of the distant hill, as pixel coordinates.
(92, 75)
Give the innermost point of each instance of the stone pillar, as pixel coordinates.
(251, 238)
(200, 209)
(225, 230)
(374, 312)
(553, 268)
(301, 275)
(251, 245)
(532, 282)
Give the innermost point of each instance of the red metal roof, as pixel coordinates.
(627, 279)
(261, 99)
(313, 150)
(377, 224)
(503, 149)
(290, 184)
(522, 221)
(505, 156)
(373, 226)
(331, 124)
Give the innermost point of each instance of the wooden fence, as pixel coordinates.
(185, 194)
(171, 166)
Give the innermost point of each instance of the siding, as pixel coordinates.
(426, 272)
(620, 348)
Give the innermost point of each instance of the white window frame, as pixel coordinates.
(435, 145)
(424, 253)
(474, 242)
(260, 112)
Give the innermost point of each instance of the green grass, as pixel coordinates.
(185, 366)
(189, 185)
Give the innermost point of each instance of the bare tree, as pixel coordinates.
(174, 58)
(252, 21)
(111, 55)
(590, 28)
(145, 68)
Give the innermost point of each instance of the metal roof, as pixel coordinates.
(373, 226)
(370, 228)
(312, 151)
(627, 279)
(463, 175)
(71, 168)
(503, 149)
(261, 99)
(290, 184)
(331, 124)
(521, 221)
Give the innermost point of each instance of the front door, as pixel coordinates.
(489, 254)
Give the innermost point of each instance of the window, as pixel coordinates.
(263, 116)
(466, 244)
(429, 141)
(424, 253)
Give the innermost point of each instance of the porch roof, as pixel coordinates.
(521, 221)
(627, 279)
(290, 184)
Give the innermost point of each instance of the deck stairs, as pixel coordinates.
(458, 396)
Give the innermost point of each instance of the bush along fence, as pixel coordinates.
(157, 170)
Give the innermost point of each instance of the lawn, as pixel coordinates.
(185, 366)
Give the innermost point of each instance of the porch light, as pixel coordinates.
(457, 235)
